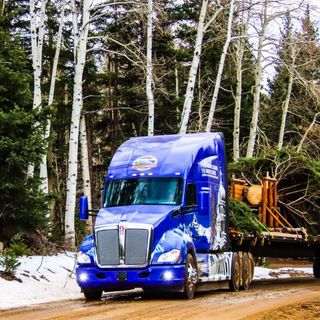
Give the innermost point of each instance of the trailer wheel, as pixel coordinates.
(191, 277)
(316, 268)
(91, 295)
(246, 272)
(251, 259)
(234, 283)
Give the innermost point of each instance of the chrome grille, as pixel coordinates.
(108, 247)
(136, 246)
(123, 245)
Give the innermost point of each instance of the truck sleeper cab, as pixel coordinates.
(164, 219)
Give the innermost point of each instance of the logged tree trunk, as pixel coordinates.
(149, 91)
(220, 69)
(193, 69)
(74, 129)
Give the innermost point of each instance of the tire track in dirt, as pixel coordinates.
(260, 301)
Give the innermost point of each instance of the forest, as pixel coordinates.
(79, 77)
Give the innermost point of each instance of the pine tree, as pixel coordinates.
(22, 205)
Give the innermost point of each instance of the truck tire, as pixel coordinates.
(246, 271)
(234, 283)
(251, 259)
(91, 295)
(191, 277)
(316, 268)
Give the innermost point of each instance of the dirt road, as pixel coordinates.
(298, 299)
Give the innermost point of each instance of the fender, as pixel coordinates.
(173, 239)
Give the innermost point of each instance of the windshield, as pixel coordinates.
(125, 192)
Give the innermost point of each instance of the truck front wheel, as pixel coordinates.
(234, 283)
(191, 277)
(91, 295)
(316, 268)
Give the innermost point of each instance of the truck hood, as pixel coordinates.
(148, 214)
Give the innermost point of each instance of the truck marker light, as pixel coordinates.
(83, 277)
(141, 174)
(134, 174)
(149, 173)
(177, 173)
(167, 275)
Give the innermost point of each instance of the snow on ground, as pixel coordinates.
(44, 279)
(52, 278)
(281, 273)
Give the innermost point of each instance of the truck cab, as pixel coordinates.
(163, 221)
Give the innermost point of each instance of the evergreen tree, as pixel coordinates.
(22, 205)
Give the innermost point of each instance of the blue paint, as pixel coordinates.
(200, 228)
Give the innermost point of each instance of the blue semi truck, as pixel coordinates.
(163, 224)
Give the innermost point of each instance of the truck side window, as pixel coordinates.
(191, 195)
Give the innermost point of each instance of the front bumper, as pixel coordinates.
(168, 277)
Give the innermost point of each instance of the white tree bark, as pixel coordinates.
(285, 109)
(85, 166)
(149, 91)
(43, 165)
(75, 124)
(37, 33)
(257, 87)
(243, 34)
(237, 108)
(220, 69)
(193, 69)
(299, 148)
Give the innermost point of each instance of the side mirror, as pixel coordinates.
(84, 212)
(204, 203)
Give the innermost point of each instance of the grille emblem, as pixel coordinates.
(121, 230)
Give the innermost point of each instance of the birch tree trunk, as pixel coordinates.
(257, 87)
(237, 108)
(43, 165)
(299, 148)
(37, 33)
(75, 124)
(2, 6)
(193, 69)
(239, 61)
(85, 166)
(285, 110)
(220, 69)
(149, 91)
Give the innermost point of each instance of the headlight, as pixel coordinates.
(172, 256)
(83, 258)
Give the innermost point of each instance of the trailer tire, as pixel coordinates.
(316, 268)
(191, 277)
(91, 295)
(246, 272)
(251, 259)
(234, 283)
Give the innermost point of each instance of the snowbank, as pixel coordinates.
(52, 278)
(44, 279)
